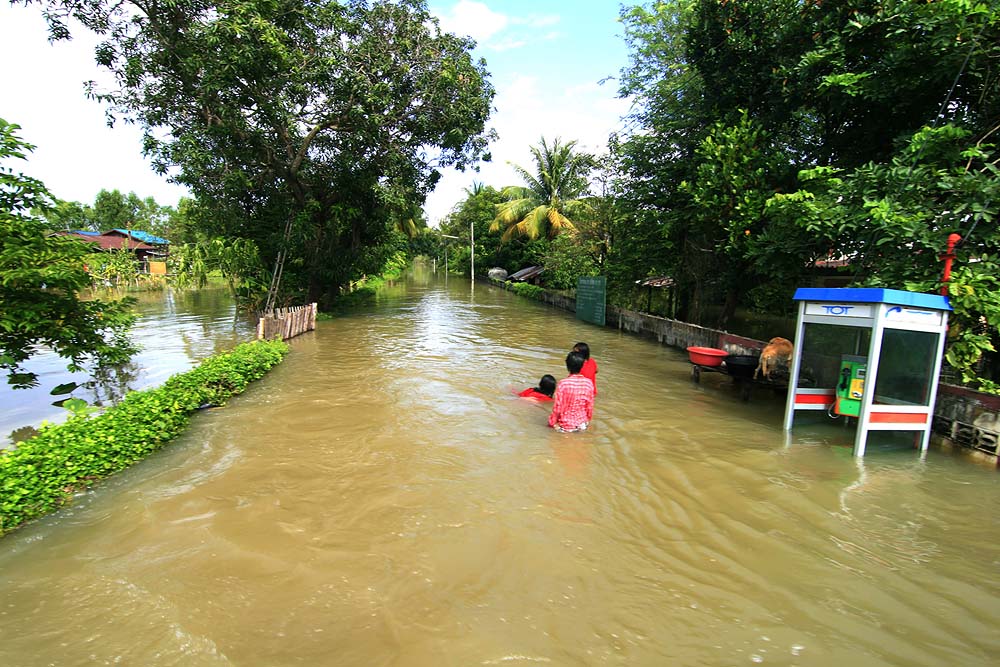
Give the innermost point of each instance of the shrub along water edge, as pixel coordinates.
(527, 290)
(43, 473)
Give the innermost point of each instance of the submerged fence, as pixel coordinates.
(285, 323)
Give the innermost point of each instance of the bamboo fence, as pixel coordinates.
(286, 323)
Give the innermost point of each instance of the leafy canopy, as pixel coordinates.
(309, 128)
(41, 277)
(736, 103)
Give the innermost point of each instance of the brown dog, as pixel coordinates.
(777, 348)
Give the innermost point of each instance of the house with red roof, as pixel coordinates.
(102, 242)
(151, 257)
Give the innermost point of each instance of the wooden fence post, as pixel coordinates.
(287, 322)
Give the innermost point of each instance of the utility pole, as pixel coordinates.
(472, 252)
(447, 236)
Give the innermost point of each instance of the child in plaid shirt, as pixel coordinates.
(573, 407)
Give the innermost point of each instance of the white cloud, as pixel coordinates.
(506, 44)
(527, 110)
(478, 21)
(515, 42)
(474, 19)
(77, 154)
(537, 21)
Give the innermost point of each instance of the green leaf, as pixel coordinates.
(66, 388)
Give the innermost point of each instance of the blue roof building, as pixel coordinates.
(144, 237)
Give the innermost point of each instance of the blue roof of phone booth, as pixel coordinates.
(872, 295)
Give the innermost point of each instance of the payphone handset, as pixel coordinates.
(850, 385)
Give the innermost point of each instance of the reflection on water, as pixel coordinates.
(175, 330)
(108, 385)
(380, 498)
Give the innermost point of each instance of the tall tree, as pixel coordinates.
(831, 84)
(544, 207)
(66, 216)
(911, 98)
(735, 171)
(41, 276)
(114, 210)
(892, 222)
(872, 73)
(308, 127)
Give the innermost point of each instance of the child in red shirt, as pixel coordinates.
(543, 392)
(589, 370)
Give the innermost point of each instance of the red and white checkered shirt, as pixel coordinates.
(574, 403)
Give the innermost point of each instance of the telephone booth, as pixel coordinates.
(869, 354)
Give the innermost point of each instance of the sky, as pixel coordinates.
(546, 59)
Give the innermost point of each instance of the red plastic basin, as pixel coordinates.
(706, 356)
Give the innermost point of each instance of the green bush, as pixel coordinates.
(566, 261)
(530, 291)
(42, 473)
(364, 296)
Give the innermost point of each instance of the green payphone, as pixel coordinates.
(851, 385)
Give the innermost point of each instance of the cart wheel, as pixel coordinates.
(695, 373)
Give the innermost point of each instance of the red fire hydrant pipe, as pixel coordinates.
(948, 257)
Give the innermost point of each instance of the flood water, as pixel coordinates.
(381, 498)
(175, 330)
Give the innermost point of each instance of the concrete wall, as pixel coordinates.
(680, 334)
(666, 331)
(967, 417)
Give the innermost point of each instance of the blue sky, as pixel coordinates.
(546, 61)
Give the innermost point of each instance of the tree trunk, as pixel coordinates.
(729, 309)
(682, 303)
(315, 292)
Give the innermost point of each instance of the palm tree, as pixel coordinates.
(476, 189)
(544, 207)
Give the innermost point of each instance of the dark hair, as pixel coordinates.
(583, 349)
(547, 385)
(574, 362)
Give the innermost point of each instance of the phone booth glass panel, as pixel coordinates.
(824, 347)
(906, 368)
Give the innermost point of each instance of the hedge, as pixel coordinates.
(528, 290)
(44, 472)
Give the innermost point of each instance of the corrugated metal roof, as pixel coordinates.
(145, 237)
(526, 274)
(656, 281)
(108, 242)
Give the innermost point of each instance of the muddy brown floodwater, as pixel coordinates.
(381, 498)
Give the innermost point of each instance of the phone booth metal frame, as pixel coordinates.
(905, 334)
